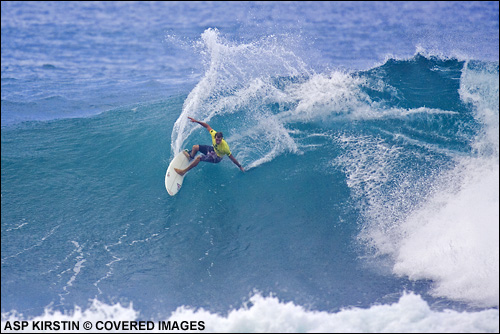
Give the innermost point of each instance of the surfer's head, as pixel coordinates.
(218, 137)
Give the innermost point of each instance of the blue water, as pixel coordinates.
(369, 135)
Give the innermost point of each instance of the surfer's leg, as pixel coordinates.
(194, 150)
(190, 154)
(181, 172)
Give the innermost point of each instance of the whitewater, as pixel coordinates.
(369, 134)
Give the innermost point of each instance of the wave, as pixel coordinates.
(270, 315)
(393, 167)
(446, 228)
(418, 140)
(264, 88)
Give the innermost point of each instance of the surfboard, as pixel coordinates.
(173, 181)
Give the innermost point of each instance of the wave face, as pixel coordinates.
(413, 142)
(370, 200)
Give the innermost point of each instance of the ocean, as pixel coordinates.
(369, 134)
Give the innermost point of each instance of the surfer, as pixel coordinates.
(213, 154)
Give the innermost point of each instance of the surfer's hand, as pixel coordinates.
(242, 169)
(193, 120)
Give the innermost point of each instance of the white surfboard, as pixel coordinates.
(173, 181)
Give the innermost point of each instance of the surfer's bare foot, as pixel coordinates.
(187, 155)
(180, 172)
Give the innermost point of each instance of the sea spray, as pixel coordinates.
(238, 88)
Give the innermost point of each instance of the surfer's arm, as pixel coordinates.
(233, 159)
(203, 124)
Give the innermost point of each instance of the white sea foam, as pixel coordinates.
(270, 315)
(443, 228)
(453, 238)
